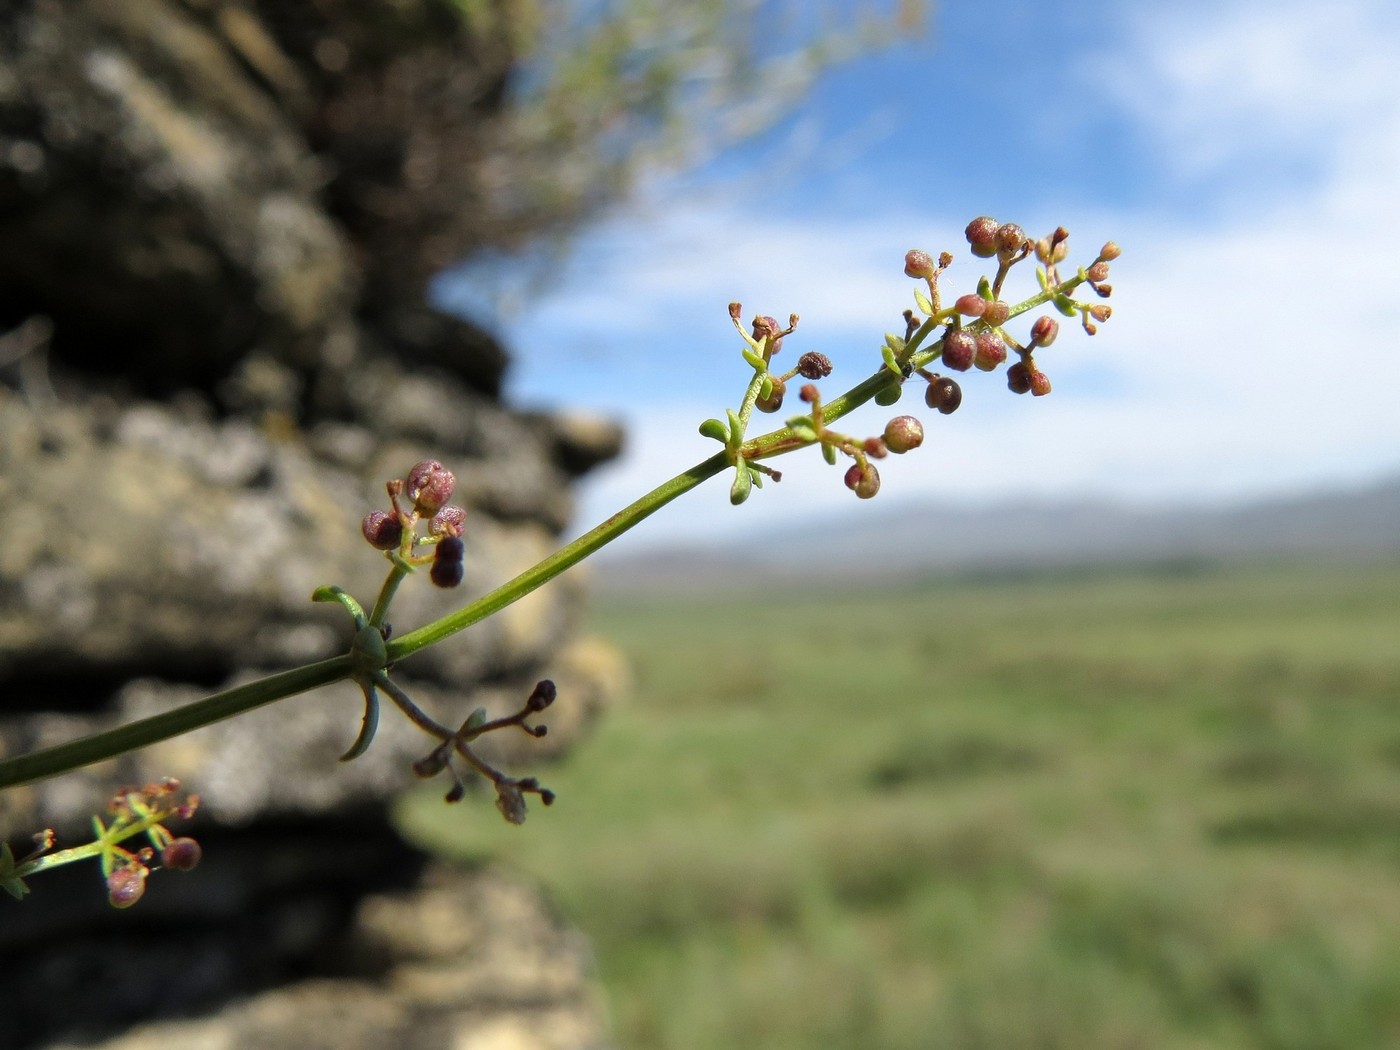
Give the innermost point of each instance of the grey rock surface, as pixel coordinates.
(215, 349)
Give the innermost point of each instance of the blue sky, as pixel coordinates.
(1245, 155)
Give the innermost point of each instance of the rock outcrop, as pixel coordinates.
(217, 222)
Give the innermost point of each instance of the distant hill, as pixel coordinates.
(1357, 524)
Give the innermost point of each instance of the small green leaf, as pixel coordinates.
(802, 430)
(894, 342)
(765, 387)
(759, 365)
(369, 724)
(736, 429)
(475, 720)
(1042, 278)
(984, 288)
(756, 476)
(14, 885)
(829, 454)
(713, 428)
(1066, 305)
(336, 594)
(924, 303)
(891, 362)
(743, 484)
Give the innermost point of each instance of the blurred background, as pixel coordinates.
(1084, 734)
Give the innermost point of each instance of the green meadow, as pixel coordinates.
(1104, 811)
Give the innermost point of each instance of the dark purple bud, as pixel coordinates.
(181, 854)
(383, 531)
(544, 694)
(447, 562)
(812, 365)
(1018, 378)
(943, 394)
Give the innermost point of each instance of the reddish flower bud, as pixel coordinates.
(903, 433)
(1010, 240)
(447, 562)
(429, 485)
(1040, 384)
(875, 448)
(959, 348)
(813, 365)
(1101, 312)
(182, 854)
(1044, 331)
(1018, 378)
(971, 305)
(991, 351)
(809, 392)
(1109, 252)
(996, 313)
(736, 310)
(918, 264)
(126, 884)
(448, 521)
(1098, 272)
(864, 482)
(981, 234)
(943, 394)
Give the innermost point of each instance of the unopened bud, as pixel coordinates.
(447, 562)
(774, 400)
(1044, 331)
(919, 264)
(1040, 384)
(944, 394)
(863, 481)
(959, 348)
(1010, 239)
(1109, 252)
(383, 531)
(981, 234)
(996, 313)
(429, 485)
(971, 305)
(126, 884)
(991, 351)
(875, 448)
(544, 694)
(813, 365)
(448, 521)
(1018, 378)
(903, 433)
(1101, 312)
(736, 310)
(182, 854)
(809, 392)
(1098, 272)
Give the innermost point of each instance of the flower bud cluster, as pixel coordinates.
(975, 336)
(143, 811)
(426, 489)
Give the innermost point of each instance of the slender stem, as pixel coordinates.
(113, 742)
(560, 560)
(37, 765)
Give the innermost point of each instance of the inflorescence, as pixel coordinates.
(973, 335)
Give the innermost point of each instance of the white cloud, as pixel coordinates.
(1250, 351)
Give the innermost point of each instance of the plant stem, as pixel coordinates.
(37, 765)
(113, 742)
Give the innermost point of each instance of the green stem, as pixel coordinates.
(560, 560)
(113, 742)
(37, 765)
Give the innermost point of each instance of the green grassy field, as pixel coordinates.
(1119, 811)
